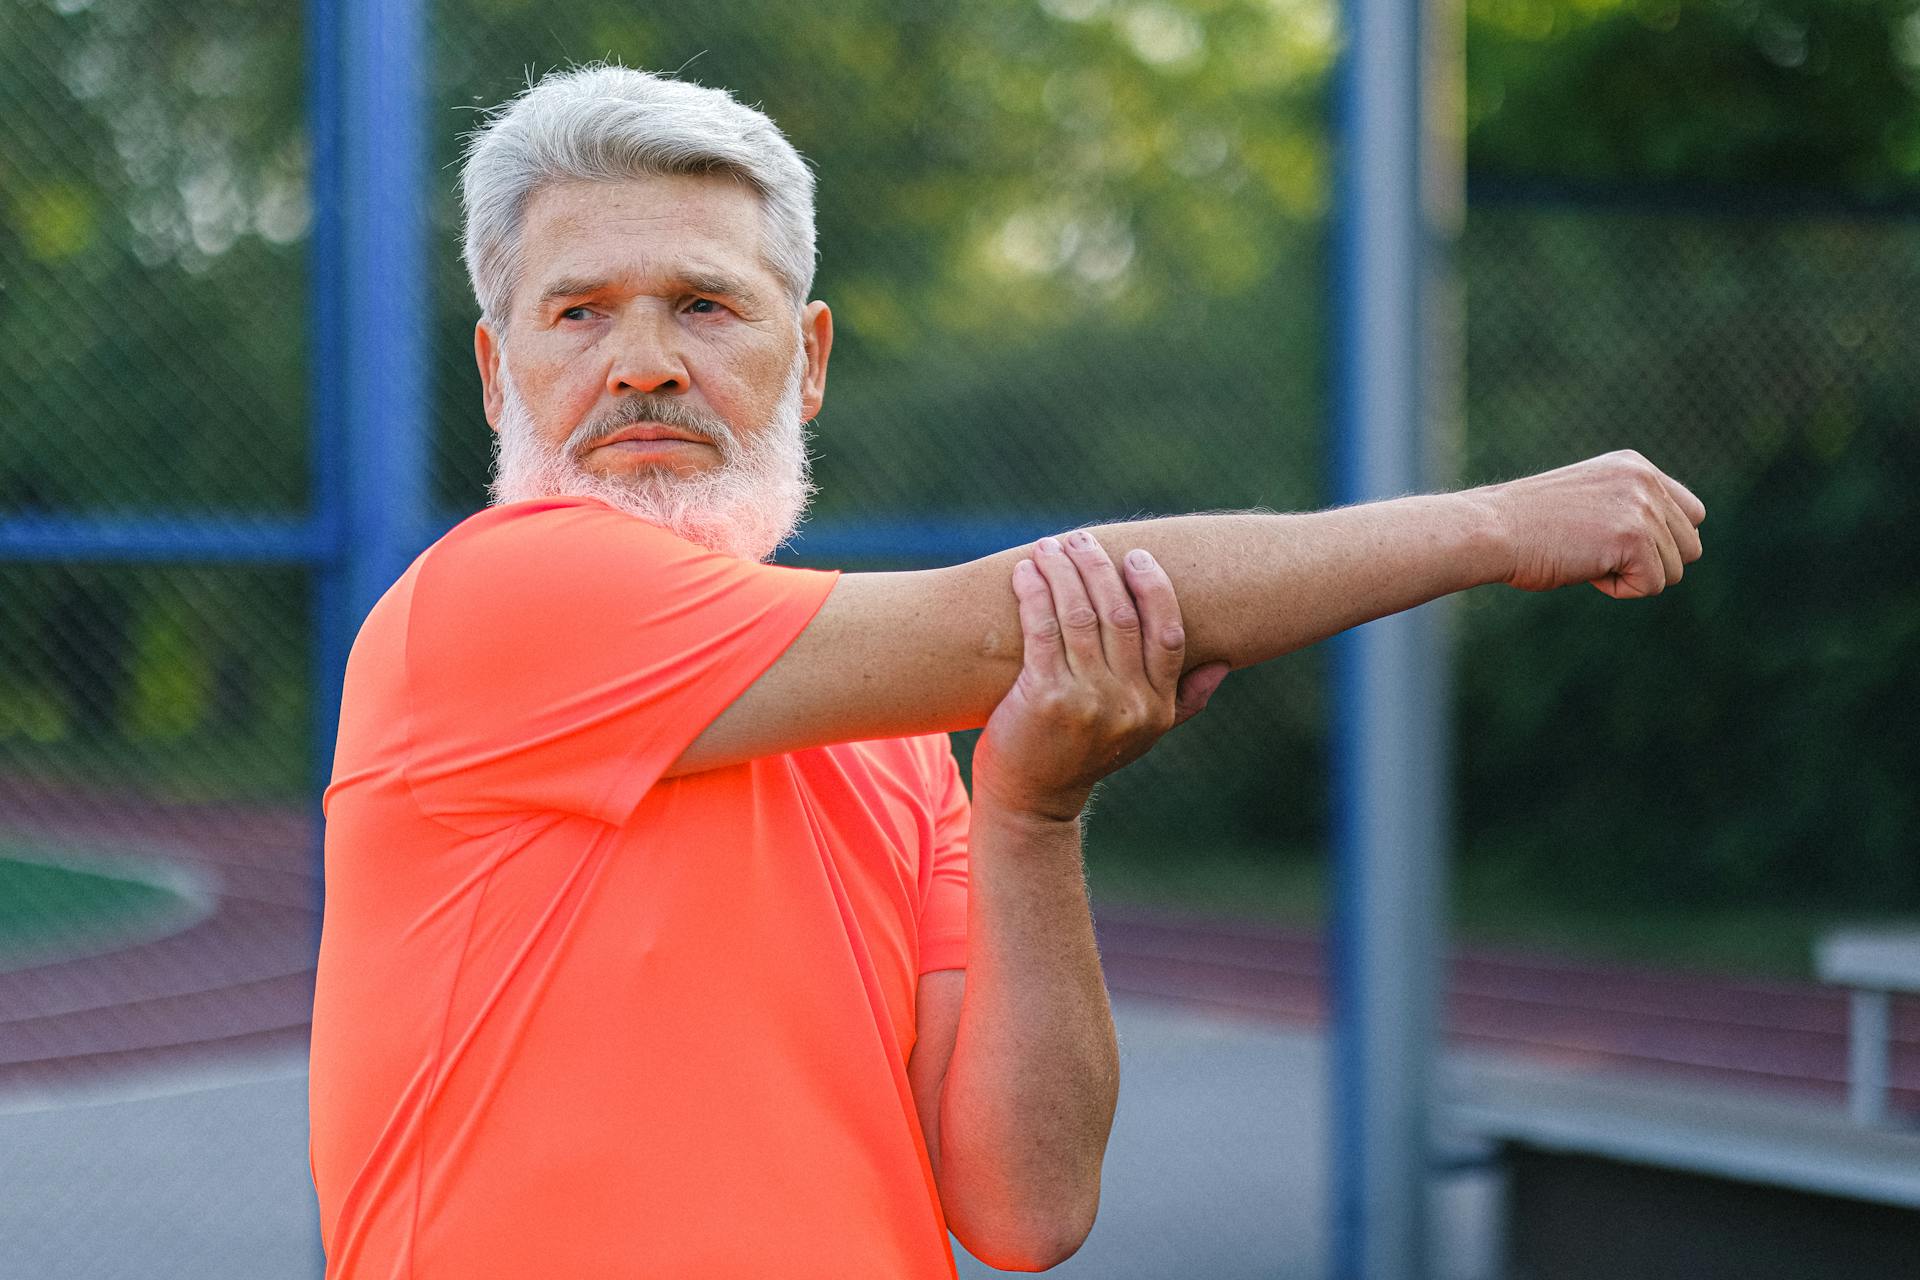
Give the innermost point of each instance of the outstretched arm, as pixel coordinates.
(901, 653)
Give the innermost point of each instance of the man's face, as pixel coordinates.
(651, 358)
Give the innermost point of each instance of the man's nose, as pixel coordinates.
(647, 355)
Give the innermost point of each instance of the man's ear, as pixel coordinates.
(486, 354)
(816, 335)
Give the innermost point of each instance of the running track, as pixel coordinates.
(240, 981)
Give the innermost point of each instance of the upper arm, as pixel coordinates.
(560, 656)
(936, 1025)
(888, 655)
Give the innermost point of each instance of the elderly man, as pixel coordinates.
(661, 937)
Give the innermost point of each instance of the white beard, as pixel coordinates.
(747, 507)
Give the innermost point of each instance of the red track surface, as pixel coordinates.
(1781, 1035)
(242, 981)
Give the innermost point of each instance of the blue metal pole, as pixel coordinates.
(369, 411)
(385, 295)
(367, 406)
(1389, 730)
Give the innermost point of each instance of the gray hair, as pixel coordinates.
(605, 123)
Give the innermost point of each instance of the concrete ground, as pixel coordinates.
(1216, 1170)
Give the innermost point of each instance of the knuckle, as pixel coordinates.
(1123, 617)
(1139, 715)
(1136, 713)
(1053, 702)
(1081, 617)
(1174, 638)
(1046, 627)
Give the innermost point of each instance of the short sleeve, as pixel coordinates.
(561, 655)
(943, 915)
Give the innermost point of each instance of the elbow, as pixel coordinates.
(1038, 1243)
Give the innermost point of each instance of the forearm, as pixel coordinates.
(892, 654)
(1030, 1089)
(1253, 586)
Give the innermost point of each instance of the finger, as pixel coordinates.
(1044, 653)
(1685, 536)
(1079, 624)
(1690, 506)
(1670, 562)
(1163, 637)
(1196, 687)
(1119, 619)
(1643, 573)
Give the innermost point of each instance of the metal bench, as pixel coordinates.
(1876, 964)
(1607, 1176)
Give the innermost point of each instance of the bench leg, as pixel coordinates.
(1867, 1057)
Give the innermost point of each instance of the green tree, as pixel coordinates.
(1819, 95)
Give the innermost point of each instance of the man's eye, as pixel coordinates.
(703, 306)
(575, 313)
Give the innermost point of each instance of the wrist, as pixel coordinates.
(1027, 817)
(1489, 539)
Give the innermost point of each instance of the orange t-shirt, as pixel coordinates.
(575, 1020)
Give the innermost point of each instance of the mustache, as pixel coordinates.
(647, 407)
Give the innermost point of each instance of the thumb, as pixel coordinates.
(1196, 687)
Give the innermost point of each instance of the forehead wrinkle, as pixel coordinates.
(658, 235)
(668, 278)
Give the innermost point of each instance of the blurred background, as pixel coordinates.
(1078, 256)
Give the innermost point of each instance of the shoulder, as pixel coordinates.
(521, 554)
(543, 523)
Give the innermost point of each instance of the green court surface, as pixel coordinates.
(56, 902)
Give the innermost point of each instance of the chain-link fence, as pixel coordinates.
(1743, 739)
(1075, 256)
(1703, 335)
(157, 890)
(158, 897)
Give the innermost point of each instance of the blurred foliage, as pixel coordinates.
(1819, 95)
(183, 683)
(1089, 224)
(152, 200)
(1747, 737)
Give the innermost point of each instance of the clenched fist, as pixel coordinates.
(1615, 521)
(1100, 679)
